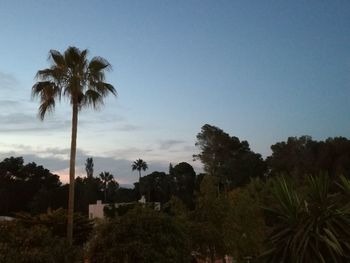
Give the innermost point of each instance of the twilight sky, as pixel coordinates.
(260, 70)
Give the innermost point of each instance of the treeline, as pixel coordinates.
(291, 207)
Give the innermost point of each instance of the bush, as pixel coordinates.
(141, 235)
(19, 244)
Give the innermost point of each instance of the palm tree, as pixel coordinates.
(82, 81)
(106, 178)
(139, 165)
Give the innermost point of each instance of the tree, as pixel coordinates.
(34, 244)
(244, 225)
(87, 191)
(21, 184)
(89, 167)
(139, 165)
(185, 178)
(141, 235)
(157, 186)
(302, 155)
(72, 75)
(56, 221)
(208, 221)
(228, 158)
(106, 179)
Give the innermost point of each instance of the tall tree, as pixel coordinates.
(89, 167)
(72, 75)
(139, 165)
(228, 158)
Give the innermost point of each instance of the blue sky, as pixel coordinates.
(260, 70)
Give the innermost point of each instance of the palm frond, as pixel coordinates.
(46, 106)
(47, 92)
(57, 58)
(93, 98)
(98, 64)
(344, 184)
(104, 88)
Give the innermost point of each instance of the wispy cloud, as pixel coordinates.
(8, 81)
(167, 144)
(128, 127)
(24, 122)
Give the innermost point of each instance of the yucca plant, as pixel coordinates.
(313, 229)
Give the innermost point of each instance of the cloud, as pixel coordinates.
(9, 103)
(167, 144)
(57, 161)
(8, 81)
(24, 122)
(128, 127)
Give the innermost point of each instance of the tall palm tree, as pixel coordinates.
(139, 165)
(106, 178)
(82, 81)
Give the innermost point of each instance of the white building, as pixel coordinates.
(96, 210)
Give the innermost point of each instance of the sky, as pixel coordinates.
(259, 70)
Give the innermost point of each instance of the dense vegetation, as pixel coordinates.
(292, 207)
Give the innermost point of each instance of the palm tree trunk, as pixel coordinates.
(73, 151)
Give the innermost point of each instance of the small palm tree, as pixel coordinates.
(139, 165)
(106, 178)
(82, 81)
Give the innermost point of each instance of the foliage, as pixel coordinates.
(56, 221)
(303, 155)
(109, 185)
(87, 191)
(20, 184)
(112, 211)
(141, 235)
(228, 158)
(208, 221)
(244, 225)
(316, 228)
(185, 178)
(19, 244)
(157, 187)
(139, 165)
(125, 195)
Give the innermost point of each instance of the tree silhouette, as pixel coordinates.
(89, 167)
(82, 81)
(139, 165)
(106, 178)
